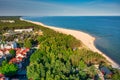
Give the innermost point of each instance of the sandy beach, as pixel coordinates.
(87, 39)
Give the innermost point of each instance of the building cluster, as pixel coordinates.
(21, 54)
(8, 45)
(7, 21)
(9, 42)
(18, 59)
(9, 33)
(5, 47)
(17, 31)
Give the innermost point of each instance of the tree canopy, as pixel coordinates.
(60, 58)
(27, 43)
(12, 52)
(8, 69)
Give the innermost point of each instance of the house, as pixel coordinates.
(2, 45)
(23, 30)
(13, 60)
(38, 32)
(6, 51)
(8, 45)
(2, 77)
(6, 34)
(19, 59)
(105, 71)
(17, 62)
(5, 47)
(14, 45)
(20, 55)
(1, 53)
(22, 52)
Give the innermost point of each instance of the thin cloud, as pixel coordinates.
(41, 8)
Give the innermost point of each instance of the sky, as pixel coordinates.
(59, 7)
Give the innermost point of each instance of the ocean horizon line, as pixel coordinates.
(63, 15)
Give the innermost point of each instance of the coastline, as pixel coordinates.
(87, 39)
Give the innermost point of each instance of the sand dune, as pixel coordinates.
(87, 39)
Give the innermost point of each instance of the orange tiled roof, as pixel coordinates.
(1, 75)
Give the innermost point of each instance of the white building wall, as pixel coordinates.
(1, 54)
(23, 30)
(19, 55)
(7, 46)
(2, 46)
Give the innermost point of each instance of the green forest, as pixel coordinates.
(59, 57)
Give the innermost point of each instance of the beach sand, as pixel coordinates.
(87, 40)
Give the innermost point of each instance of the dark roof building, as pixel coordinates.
(105, 71)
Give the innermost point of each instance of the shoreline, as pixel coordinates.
(85, 38)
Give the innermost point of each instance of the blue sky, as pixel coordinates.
(59, 7)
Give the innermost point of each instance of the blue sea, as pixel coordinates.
(106, 29)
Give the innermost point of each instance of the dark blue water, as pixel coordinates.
(106, 29)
